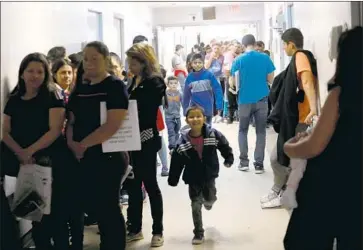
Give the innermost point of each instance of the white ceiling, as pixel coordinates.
(161, 4)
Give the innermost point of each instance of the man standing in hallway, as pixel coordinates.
(250, 72)
(178, 65)
(301, 79)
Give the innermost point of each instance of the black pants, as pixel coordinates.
(144, 163)
(10, 239)
(232, 104)
(74, 203)
(55, 224)
(199, 194)
(101, 179)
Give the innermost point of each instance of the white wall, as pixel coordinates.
(182, 15)
(315, 20)
(38, 26)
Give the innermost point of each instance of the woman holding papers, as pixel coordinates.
(148, 89)
(33, 122)
(101, 171)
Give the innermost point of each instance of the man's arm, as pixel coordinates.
(308, 84)
(208, 60)
(307, 80)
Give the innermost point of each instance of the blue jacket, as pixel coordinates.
(200, 89)
(196, 170)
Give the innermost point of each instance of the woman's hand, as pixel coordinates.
(25, 156)
(78, 149)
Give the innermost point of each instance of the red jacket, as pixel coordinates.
(160, 121)
(178, 71)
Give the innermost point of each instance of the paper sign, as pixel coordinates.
(127, 138)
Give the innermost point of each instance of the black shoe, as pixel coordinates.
(259, 169)
(230, 120)
(198, 239)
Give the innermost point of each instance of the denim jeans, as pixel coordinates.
(259, 112)
(163, 154)
(199, 194)
(173, 125)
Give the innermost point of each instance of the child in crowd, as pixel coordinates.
(172, 111)
(201, 88)
(196, 151)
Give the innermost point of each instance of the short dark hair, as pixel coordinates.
(248, 40)
(139, 39)
(267, 52)
(260, 44)
(202, 44)
(171, 78)
(194, 107)
(197, 56)
(100, 47)
(295, 36)
(55, 53)
(178, 47)
(75, 59)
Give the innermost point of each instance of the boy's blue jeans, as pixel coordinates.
(259, 112)
(173, 124)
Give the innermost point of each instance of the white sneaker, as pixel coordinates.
(270, 196)
(157, 241)
(243, 168)
(274, 203)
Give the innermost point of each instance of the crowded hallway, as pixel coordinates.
(165, 125)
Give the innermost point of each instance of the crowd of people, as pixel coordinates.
(54, 113)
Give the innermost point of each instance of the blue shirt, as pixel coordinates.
(253, 69)
(200, 89)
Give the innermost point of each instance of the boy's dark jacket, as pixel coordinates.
(197, 170)
(285, 98)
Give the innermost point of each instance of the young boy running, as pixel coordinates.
(201, 88)
(196, 153)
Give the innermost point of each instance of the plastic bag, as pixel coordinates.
(32, 197)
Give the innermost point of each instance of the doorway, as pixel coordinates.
(188, 36)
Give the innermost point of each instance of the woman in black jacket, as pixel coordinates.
(148, 89)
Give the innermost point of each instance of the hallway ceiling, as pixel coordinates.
(162, 4)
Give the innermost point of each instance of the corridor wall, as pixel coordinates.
(37, 26)
(315, 20)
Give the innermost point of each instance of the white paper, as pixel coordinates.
(36, 178)
(127, 138)
(9, 185)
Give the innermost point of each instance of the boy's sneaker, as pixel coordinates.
(157, 240)
(243, 168)
(164, 171)
(198, 240)
(124, 200)
(134, 237)
(259, 169)
(208, 205)
(268, 197)
(271, 200)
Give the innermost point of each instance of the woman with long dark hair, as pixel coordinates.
(33, 122)
(329, 196)
(148, 89)
(101, 172)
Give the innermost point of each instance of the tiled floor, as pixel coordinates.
(235, 223)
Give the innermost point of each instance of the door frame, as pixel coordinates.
(356, 9)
